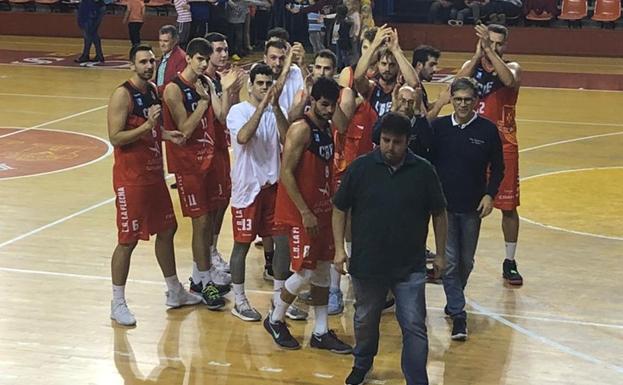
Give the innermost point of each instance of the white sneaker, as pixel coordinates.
(120, 313)
(245, 312)
(220, 277)
(180, 297)
(296, 313)
(219, 262)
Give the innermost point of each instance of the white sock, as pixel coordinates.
(173, 283)
(321, 318)
(239, 292)
(196, 275)
(279, 312)
(118, 293)
(205, 277)
(349, 248)
(511, 247)
(335, 278)
(277, 286)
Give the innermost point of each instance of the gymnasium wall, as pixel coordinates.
(524, 40)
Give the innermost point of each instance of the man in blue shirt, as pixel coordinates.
(467, 153)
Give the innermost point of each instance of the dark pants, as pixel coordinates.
(501, 7)
(134, 30)
(463, 232)
(278, 14)
(410, 297)
(183, 29)
(235, 37)
(259, 26)
(198, 28)
(91, 35)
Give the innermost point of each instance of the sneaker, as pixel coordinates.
(357, 376)
(245, 312)
(280, 333)
(173, 185)
(330, 342)
(210, 294)
(430, 276)
(336, 302)
(120, 313)
(235, 57)
(220, 277)
(459, 329)
(510, 273)
(197, 288)
(389, 304)
(305, 296)
(268, 274)
(430, 256)
(295, 313)
(180, 297)
(219, 262)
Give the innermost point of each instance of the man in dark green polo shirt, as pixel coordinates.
(392, 194)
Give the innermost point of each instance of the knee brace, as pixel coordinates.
(297, 281)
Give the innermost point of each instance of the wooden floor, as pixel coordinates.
(57, 232)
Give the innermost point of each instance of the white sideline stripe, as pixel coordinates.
(570, 141)
(55, 120)
(572, 123)
(270, 292)
(550, 227)
(543, 339)
(52, 96)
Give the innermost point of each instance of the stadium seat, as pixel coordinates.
(574, 11)
(540, 12)
(607, 11)
(53, 5)
(161, 6)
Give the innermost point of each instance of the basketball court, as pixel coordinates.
(57, 233)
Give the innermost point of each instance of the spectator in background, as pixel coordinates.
(315, 27)
(134, 17)
(354, 6)
(200, 16)
(278, 14)
(443, 10)
(173, 58)
(259, 23)
(237, 12)
(498, 11)
(90, 15)
(184, 21)
(297, 21)
(341, 41)
(472, 9)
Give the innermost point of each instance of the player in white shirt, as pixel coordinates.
(257, 128)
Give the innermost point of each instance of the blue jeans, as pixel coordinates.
(463, 232)
(411, 315)
(91, 35)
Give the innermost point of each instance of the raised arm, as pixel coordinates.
(406, 69)
(362, 84)
(184, 122)
(118, 114)
(345, 110)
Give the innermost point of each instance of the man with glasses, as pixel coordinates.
(465, 146)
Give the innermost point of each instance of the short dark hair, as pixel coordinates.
(325, 88)
(137, 48)
(170, 30)
(370, 34)
(279, 33)
(260, 69)
(276, 43)
(464, 83)
(423, 52)
(497, 28)
(327, 54)
(396, 123)
(213, 37)
(384, 52)
(200, 46)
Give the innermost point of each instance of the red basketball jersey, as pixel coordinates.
(140, 162)
(313, 178)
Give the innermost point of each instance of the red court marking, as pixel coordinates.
(36, 151)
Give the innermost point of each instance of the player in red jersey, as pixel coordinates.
(142, 199)
(498, 84)
(227, 87)
(188, 108)
(304, 205)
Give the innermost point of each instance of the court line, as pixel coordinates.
(609, 237)
(56, 120)
(109, 151)
(572, 123)
(543, 339)
(52, 96)
(270, 292)
(570, 141)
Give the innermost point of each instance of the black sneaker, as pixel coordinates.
(357, 376)
(280, 333)
(197, 288)
(329, 341)
(510, 273)
(174, 185)
(459, 329)
(430, 276)
(210, 294)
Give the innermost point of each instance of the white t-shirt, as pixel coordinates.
(257, 162)
(294, 82)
